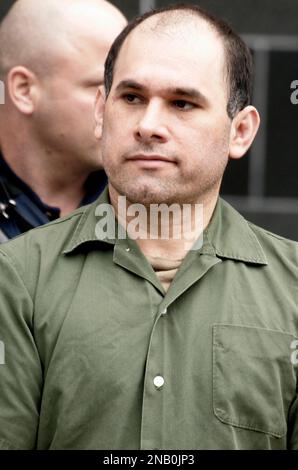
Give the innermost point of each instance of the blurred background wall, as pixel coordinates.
(263, 186)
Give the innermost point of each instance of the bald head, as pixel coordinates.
(52, 55)
(33, 32)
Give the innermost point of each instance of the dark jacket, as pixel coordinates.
(21, 209)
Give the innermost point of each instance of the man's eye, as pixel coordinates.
(184, 105)
(130, 98)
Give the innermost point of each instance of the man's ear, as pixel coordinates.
(99, 110)
(22, 88)
(243, 131)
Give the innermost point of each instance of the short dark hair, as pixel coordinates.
(239, 65)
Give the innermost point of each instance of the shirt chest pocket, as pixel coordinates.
(254, 380)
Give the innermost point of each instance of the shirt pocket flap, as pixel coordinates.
(254, 380)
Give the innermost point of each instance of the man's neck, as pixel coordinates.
(56, 182)
(172, 235)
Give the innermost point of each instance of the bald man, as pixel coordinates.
(52, 63)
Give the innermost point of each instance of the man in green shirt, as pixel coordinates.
(128, 340)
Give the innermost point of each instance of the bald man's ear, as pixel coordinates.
(243, 131)
(99, 110)
(22, 89)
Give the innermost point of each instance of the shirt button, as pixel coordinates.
(164, 311)
(128, 250)
(158, 381)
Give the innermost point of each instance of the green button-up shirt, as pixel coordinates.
(95, 355)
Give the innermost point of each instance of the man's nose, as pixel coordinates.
(152, 124)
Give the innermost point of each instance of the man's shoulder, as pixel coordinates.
(281, 254)
(262, 232)
(41, 256)
(50, 238)
(274, 247)
(271, 239)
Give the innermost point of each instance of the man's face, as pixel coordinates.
(64, 118)
(166, 129)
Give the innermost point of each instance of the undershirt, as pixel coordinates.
(165, 269)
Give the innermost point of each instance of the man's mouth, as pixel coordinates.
(150, 160)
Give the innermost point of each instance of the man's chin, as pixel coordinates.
(148, 197)
(146, 192)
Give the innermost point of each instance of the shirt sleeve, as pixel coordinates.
(20, 367)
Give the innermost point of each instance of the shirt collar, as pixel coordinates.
(232, 237)
(85, 232)
(228, 234)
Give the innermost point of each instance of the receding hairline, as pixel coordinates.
(167, 21)
(237, 59)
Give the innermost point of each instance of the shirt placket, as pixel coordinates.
(157, 392)
(156, 386)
